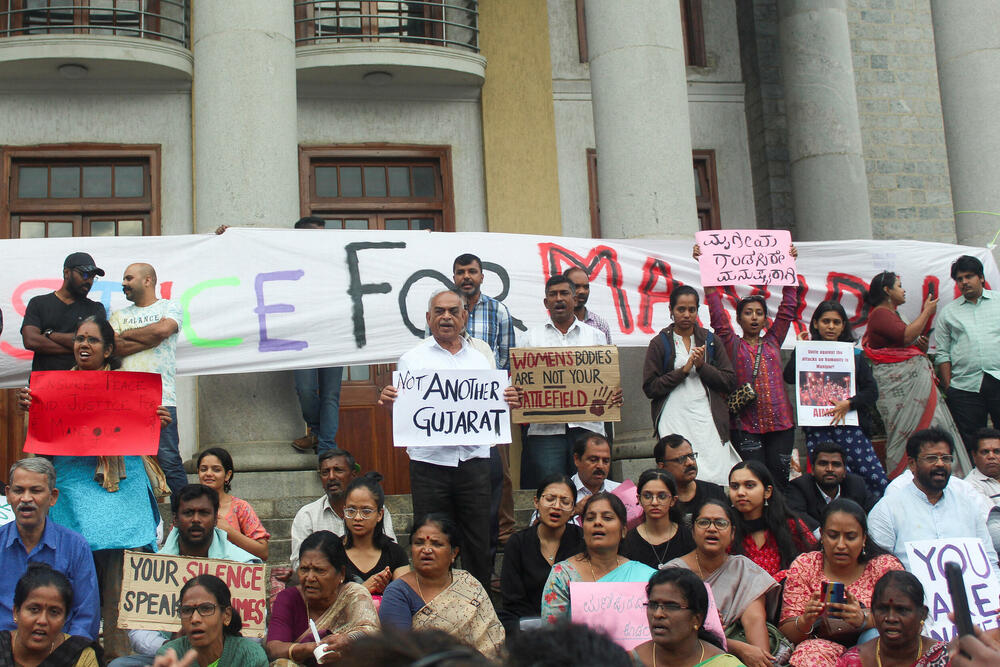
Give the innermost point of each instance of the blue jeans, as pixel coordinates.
(169, 454)
(544, 455)
(319, 398)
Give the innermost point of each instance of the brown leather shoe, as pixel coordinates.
(306, 443)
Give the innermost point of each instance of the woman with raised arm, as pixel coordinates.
(908, 397)
(764, 429)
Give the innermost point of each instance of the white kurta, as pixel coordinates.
(687, 412)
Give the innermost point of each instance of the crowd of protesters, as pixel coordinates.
(732, 545)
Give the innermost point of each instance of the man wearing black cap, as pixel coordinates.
(50, 320)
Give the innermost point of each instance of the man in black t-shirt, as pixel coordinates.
(50, 320)
(674, 454)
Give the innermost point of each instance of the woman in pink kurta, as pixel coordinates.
(847, 556)
(236, 516)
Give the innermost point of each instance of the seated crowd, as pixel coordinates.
(734, 564)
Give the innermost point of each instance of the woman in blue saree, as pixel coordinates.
(604, 527)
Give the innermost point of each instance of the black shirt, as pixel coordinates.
(47, 311)
(393, 556)
(525, 571)
(702, 492)
(635, 547)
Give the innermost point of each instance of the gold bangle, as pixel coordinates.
(797, 619)
(290, 648)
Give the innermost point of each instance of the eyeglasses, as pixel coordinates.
(668, 607)
(365, 512)
(204, 609)
(662, 496)
(932, 459)
(557, 501)
(93, 340)
(681, 459)
(705, 522)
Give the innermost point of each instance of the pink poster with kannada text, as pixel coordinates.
(746, 257)
(94, 413)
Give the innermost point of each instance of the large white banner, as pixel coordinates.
(263, 300)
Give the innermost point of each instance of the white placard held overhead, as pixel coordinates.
(450, 407)
(824, 375)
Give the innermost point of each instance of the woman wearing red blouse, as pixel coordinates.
(908, 397)
(766, 531)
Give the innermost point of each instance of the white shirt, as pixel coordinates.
(160, 359)
(906, 515)
(318, 515)
(428, 355)
(984, 484)
(578, 335)
(960, 486)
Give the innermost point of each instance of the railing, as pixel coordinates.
(165, 20)
(451, 23)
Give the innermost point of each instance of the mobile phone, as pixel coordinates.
(931, 290)
(959, 600)
(832, 592)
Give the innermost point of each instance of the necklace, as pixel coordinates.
(878, 651)
(420, 592)
(591, 564)
(700, 658)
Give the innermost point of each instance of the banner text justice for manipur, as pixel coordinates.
(263, 300)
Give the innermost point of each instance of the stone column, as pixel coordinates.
(968, 62)
(246, 174)
(829, 185)
(639, 90)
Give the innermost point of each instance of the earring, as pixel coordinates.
(765, 502)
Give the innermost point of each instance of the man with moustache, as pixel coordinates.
(195, 509)
(809, 494)
(146, 339)
(32, 538)
(549, 447)
(592, 457)
(455, 480)
(337, 468)
(985, 477)
(928, 508)
(674, 454)
(50, 320)
(581, 291)
(968, 330)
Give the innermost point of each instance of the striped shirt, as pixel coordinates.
(967, 336)
(489, 320)
(599, 323)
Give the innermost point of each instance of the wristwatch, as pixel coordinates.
(48, 333)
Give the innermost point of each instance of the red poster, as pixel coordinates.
(94, 413)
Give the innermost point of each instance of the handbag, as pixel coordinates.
(780, 647)
(744, 395)
(837, 630)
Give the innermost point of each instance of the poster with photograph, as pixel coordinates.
(824, 376)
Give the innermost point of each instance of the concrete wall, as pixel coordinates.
(325, 120)
(901, 124)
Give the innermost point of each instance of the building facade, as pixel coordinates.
(834, 119)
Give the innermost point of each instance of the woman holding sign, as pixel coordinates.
(687, 375)
(829, 323)
(763, 427)
(211, 627)
(677, 610)
(908, 398)
(42, 600)
(107, 499)
(605, 522)
(899, 612)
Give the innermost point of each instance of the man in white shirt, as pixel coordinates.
(453, 480)
(146, 339)
(985, 477)
(337, 467)
(549, 447)
(928, 508)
